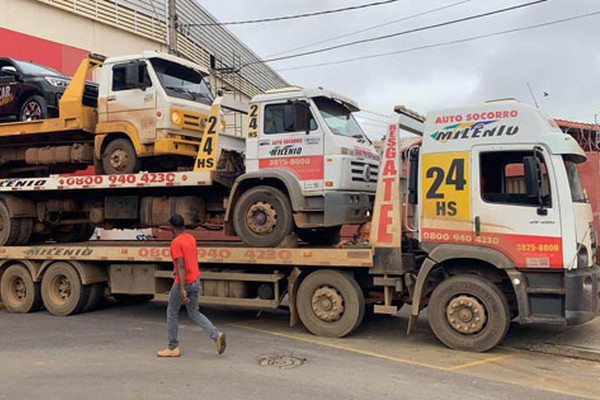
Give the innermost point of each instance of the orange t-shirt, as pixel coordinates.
(184, 246)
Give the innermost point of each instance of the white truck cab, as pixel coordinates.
(152, 105)
(498, 186)
(307, 143)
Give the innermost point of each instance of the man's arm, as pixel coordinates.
(181, 275)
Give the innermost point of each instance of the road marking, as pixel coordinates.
(341, 347)
(479, 362)
(459, 369)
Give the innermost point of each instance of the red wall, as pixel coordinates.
(590, 180)
(64, 58)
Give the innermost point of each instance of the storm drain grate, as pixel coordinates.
(281, 362)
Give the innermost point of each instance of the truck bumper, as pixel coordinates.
(173, 146)
(583, 295)
(557, 297)
(347, 207)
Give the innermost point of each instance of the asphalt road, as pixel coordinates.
(110, 353)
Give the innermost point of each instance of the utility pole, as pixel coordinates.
(172, 27)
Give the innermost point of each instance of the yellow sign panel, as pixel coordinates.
(446, 188)
(253, 121)
(207, 156)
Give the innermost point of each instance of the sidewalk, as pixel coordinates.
(582, 341)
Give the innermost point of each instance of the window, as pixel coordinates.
(503, 179)
(275, 118)
(181, 82)
(119, 82)
(339, 118)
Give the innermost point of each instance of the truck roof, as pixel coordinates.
(157, 54)
(295, 92)
(495, 122)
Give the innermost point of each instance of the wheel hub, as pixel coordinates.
(261, 218)
(19, 289)
(327, 304)
(63, 288)
(32, 111)
(118, 159)
(466, 314)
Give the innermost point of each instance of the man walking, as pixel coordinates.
(184, 253)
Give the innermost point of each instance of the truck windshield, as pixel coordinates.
(574, 181)
(181, 82)
(339, 119)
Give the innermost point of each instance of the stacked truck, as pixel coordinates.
(156, 138)
(440, 235)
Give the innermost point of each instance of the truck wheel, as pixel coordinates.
(19, 292)
(467, 312)
(262, 217)
(119, 157)
(25, 231)
(330, 303)
(321, 236)
(62, 291)
(9, 227)
(34, 108)
(77, 233)
(95, 297)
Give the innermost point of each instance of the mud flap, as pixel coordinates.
(292, 291)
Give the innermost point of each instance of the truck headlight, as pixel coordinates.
(176, 118)
(57, 82)
(583, 259)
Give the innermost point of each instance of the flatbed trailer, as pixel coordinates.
(474, 278)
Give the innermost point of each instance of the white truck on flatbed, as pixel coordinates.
(487, 226)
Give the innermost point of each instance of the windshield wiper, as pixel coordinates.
(182, 90)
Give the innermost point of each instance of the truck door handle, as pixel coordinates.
(111, 98)
(477, 226)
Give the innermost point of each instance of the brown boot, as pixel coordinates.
(221, 343)
(169, 352)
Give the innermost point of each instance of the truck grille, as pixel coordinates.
(194, 122)
(364, 171)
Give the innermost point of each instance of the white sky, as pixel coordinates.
(562, 60)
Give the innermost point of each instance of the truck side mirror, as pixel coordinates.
(301, 116)
(132, 76)
(532, 176)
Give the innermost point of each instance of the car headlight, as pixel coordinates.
(57, 82)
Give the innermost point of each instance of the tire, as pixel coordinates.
(262, 217)
(320, 236)
(9, 227)
(471, 296)
(98, 167)
(119, 157)
(20, 294)
(78, 233)
(321, 317)
(62, 291)
(33, 108)
(95, 297)
(25, 231)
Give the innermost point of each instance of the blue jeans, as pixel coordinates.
(175, 304)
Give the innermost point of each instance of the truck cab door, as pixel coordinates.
(289, 138)
(525, 228)
(131, 98)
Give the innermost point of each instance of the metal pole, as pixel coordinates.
(172, 27)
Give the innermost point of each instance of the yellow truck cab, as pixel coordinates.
(150, 105)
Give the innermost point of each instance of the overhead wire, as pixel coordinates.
(405, 32)
(297, 16)
(370, 28)
(441, 44)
